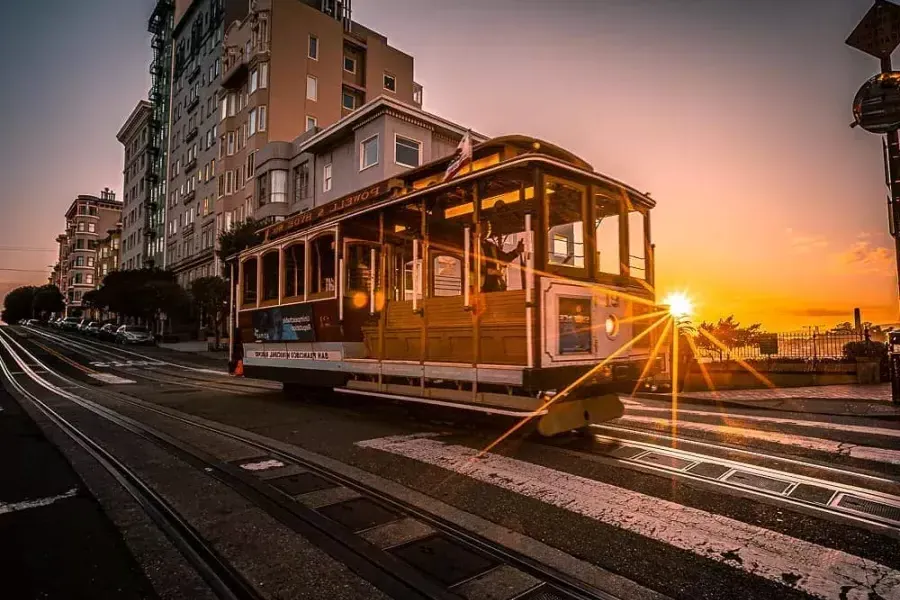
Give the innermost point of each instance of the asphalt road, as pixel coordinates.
(710, 502)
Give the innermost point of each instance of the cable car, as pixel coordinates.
(493, 290)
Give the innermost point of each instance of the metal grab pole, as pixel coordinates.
(467, 241)
(372, 281)
(529, 293)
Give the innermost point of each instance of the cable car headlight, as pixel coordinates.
(612, 327)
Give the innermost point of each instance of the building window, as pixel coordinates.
(350, 64)
(251, 164)
(81, 227)
(89, 278)
(368, 153)
(252, 121)
(310, 123)
(348, 101)
(230, 143)
(229, 182)
(390, 83)
(263, 75)
(254, 80)
(313, 52)
(312, 88)
(262, 119)
(92, 227)
(407, 152)
(90, 261)
(301, 182)
(279, 186)
(262, 189)
(326, 179)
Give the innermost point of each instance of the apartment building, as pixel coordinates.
(197, 70)
(286, 66)
(108, 253)
(62, 257)
(134, 137)
(380, 140)
(88, 219)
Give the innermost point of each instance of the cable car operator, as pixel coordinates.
(493, 258)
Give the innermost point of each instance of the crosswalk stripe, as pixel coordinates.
(784, 439)
(822, 572)
(778, 420)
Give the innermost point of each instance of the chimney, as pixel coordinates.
(857, 319)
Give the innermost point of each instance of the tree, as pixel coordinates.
(47, 299)
(243, 236)
(210, 295)
(140, 293)
(730, 333)
(845, 327)
(18, 304)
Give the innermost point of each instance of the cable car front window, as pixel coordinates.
(322, 266)
(607, 208)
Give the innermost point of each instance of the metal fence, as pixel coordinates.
(798, 345)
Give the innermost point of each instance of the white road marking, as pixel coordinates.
(781, 421)
(25, 505)
(822, 572)
(264, 465)
(784, 439)
(110, 378)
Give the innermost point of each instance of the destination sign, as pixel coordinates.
(355, 200)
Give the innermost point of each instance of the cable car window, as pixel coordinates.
(270, 267)
(448, 217)
(358, 265)
(322, 266)
(565, 238)
(606, 232)
(248, 291)
(294, 265)
(637, 250)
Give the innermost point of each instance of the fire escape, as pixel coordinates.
(160, 27)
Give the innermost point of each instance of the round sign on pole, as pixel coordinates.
(876, 107)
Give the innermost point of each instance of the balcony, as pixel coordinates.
(190, 165)
(235, 68)
(193, 103)
(189, 228)
(192, 133)
(194, 72)
(189, 197)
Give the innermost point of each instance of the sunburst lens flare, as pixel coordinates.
(679, 304)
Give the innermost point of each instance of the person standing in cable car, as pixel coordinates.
(494, 260)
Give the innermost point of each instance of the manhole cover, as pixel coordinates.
(759, 482)
(301, 483)
(870, 507)
(625, 452)
(358, 514)
(709, 470)
(812, 493)
(444, 559)
(664, 460)
(546, 592)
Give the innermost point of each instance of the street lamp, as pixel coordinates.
(876, 107)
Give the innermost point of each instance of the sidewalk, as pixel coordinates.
(848, 400)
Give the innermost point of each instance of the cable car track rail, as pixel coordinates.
(550, 580)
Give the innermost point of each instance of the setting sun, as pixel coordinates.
(679, 304)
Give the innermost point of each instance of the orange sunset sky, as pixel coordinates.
(733, 115)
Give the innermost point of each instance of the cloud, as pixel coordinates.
(816, 311)
(803, 243)
(863, 257)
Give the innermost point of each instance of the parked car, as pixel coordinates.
(108, 332)
(134, 334)
(92, 328)
(82, 324)
(70, 324)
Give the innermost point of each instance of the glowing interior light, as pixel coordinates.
(612, 326)
(679, 304)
